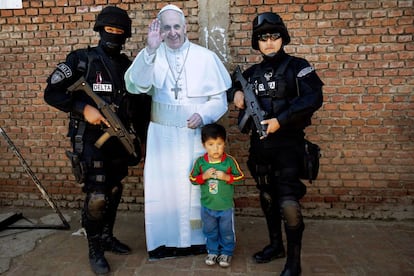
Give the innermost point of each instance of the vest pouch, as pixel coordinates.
(279, 91)
(310, 164)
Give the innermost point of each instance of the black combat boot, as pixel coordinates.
(97, 259)
(275, 249)
(294, 245)
(110, 243)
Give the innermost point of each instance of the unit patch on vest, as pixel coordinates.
(62, 72)
(102, 87)
(99, 86)
(268, 75)
(261, 87)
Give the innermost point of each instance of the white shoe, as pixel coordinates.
(211, 259)
(224, 260)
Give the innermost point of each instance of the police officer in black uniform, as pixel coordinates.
(100, 170)
(289, 91)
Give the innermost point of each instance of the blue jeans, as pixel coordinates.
(218, 227)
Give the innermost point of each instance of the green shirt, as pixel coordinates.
(216, 194)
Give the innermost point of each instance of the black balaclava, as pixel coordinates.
(112, 43)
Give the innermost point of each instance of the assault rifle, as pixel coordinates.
(116, 128)
(253, 109)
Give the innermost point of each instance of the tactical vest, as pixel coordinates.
(100, 73)
(271, 88)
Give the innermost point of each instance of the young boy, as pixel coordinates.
(217, 172)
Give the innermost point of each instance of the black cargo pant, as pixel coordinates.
(105, 169)
(276, 172)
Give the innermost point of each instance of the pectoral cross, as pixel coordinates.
(176, 89)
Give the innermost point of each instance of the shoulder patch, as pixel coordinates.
(62, 72)
(305, 71)
(65, 70)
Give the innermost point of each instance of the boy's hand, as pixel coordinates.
(213, 173)
(210, 173)
(222, 176)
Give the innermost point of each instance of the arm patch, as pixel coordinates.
(61, 73)
(305, 71)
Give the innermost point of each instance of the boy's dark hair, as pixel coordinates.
(214, 131)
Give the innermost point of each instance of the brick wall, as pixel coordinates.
(363, 51)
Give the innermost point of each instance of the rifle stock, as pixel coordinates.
(116, 128)
(253, 109)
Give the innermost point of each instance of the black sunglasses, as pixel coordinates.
(272, 37)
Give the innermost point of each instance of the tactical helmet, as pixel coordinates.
(268, 22)
(113, 17)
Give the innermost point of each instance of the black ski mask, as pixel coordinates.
(112, 43)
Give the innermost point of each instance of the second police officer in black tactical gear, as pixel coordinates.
(289, 91)
(100, 170)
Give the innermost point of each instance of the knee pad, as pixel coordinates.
(95, 205)
(291, 213)
(266, 201)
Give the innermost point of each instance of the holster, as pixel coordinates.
(310, 165)
(78, 167)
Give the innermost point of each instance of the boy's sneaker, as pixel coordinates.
(211, 259)
(224, 260)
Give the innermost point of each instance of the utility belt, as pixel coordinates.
(308, 167)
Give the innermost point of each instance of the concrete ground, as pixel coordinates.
(330, 247)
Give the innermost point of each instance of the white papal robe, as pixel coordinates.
(172, 204)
